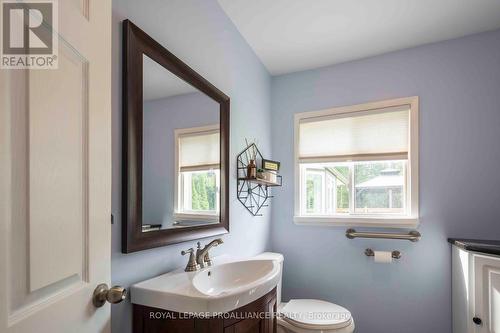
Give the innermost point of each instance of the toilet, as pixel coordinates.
(309, 315)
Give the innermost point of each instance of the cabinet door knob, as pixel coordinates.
(477, 320)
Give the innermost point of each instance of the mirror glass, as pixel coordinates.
(181, 152)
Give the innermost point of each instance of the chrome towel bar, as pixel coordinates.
(412, 236)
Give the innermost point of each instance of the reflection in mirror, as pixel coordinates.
(181, 152)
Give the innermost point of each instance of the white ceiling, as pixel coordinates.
(294, 35)
(161, 83)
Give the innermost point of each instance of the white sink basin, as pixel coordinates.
(226, 286)
(231, 277)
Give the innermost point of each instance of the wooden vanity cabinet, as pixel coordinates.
(256, 317)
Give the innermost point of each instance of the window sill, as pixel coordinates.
(196, 217)
(358, 221)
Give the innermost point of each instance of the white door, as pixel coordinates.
(487, 294)
(55, 180)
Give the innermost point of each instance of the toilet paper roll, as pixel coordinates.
(383, 257)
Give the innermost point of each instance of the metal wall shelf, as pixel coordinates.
(253, 193)
(260, 181)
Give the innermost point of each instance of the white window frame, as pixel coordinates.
(325, 177)
(409, 220)
(180, 215)
(322, 174)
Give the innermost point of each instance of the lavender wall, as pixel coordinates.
(199, 33)
(458, 83)
(161, 118)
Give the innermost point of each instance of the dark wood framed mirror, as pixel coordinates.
(175, 148)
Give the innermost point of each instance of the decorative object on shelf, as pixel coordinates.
(269, 171)
(251, 170)
(268, 176)
(255, 179)
(270, 165)
(251, 154)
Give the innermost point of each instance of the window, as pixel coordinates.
(358, 165)
(197, 173)
(199, 194)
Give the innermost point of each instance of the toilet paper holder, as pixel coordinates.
(395, 254)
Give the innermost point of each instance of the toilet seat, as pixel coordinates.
(306, 315)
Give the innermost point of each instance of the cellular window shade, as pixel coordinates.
(374, 134)
(199, 151)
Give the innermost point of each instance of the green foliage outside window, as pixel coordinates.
(342, 190)
(342, 198)
(204, 191)
(313, 185)
(309, 194)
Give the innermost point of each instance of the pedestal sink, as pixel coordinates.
(226, 286)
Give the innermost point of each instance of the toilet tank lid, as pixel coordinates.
(270, 256)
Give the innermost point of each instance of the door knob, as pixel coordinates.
(113, 295)
(477, 320)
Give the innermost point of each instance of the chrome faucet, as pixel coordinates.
(202, 255)
(202, 258)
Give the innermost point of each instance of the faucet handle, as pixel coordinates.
(191, 265)
(190, 250)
